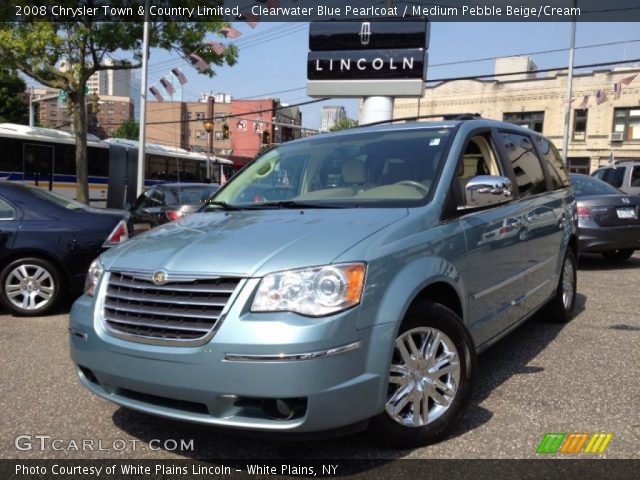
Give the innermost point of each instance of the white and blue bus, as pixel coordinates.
(45, 158)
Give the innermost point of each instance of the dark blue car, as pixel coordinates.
(47, 243)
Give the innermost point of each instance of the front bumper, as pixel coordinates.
(227, 381)
(600, 239)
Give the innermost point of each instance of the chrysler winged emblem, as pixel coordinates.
(159, 277)
(365, 33)
(625, 200)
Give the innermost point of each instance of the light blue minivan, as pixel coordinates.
(337, 281)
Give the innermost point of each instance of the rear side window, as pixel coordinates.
(635, 176)
(526, 164)
(7, 212)
(613, 176)
(557, 168)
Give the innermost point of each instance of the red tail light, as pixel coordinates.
(118, 235)
(584, 212)
(173, 215)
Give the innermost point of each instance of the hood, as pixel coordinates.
(250, 242)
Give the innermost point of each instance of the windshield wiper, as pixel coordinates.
(288, 204)
(223, 205)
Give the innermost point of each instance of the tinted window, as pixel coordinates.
(6, 210)
(591, 186)
(98, 162)
(526, 164)
(635, 177)
(556, 167)
(65, 161)
(8, 156)
(613, 176)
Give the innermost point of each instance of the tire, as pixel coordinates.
(30, 286)
(562, 305)
(437, 332)
(618, 255)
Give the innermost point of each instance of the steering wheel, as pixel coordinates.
(412, 183)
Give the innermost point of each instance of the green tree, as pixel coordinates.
(343, 124)
(65, 53)
(13, 107)
(129, 129)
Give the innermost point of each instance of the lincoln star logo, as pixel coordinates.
(365, 33)
(159, 277)
(625, 200)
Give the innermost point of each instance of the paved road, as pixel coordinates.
(580, 377)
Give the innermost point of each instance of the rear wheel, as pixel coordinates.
(618, 255)
(30, 286)
(563, 303)
(431, 377)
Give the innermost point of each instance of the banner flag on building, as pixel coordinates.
(601, 97)
(167, 86)
(217, 47)
(154, 91)
(198, 62)
(179, 75)
(252, 20)
(585, 102)
(617, 90)
(230, 32)
(628, 80)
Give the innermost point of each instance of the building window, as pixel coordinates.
(219, 136)
(580, 125)
(579, 164)
(201, 134)
(199, 116)
(627, 122)
(532, 120)
(110, 111)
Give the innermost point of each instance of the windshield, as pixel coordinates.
(585, 185)
(372, 169)
(58, 199)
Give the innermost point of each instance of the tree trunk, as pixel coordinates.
(78, 100)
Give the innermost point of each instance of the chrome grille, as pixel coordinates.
(182, 309)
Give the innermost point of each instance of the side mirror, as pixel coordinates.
(487, 190)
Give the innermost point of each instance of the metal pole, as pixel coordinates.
(143, 100)
(31, 112)
(567, 111)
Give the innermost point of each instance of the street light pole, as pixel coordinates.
(567, 111)
(143, 101)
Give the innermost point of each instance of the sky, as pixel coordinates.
(272, 57)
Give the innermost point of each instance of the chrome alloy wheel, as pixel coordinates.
(568, 282)
(423, 378)
(29, 287)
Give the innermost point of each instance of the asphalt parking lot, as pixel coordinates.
(544, 377)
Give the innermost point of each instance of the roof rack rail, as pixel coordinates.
(444, 116)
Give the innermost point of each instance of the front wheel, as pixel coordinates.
(30, 286)
(431, 377)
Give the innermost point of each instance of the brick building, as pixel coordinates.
(105, 113)
(597, 132)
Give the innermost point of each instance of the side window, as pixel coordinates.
(478, 159)
(144, 200)
(614, 176)
(635, 176)
(553, 159)
(7, 212)
(598, 174)
(526, 164)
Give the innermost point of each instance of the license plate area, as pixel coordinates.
(626, 213)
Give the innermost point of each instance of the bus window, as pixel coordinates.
(64, 160)
(9, 162)
(98, 162)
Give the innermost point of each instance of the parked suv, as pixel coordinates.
(336, 281)
(624, 175)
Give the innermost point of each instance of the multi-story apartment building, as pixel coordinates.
(110, 82)
(329, 115)
(105, 113)
(602, 126)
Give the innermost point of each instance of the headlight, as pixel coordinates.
(314, 291)
(93, 275)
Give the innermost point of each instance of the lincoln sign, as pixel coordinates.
(354, 59)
